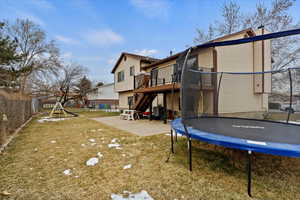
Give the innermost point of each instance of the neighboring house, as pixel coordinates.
(126, 68)
(154, 87)
(103, 97)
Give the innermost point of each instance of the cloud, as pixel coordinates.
(152, 8)
(66, 40)
(146, 52)
(103, 37)
(44, 4)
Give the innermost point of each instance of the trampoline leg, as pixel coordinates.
(190, 152)
(172, 142)
(249, 173)
(175, 136)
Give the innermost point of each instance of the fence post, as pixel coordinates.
(3, 125)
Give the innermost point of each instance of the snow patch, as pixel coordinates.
(99, 154)
(114, 140)
(48, 119)
(92, 161)
(67, 172)
(178, 135)
(113, 145)
(92, 140)
(127, 166)
(137, 196)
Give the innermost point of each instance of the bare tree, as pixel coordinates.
(70, 76)
(202, 36)
(231, 22)
(40, 56)
(285, 51)
(83, 87)
(276, 17)
(231, 18)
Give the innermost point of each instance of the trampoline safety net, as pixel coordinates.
(246, 92)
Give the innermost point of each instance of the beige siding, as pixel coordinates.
(123, 99)
(127, 84)
(205, 58)
(243, 93)
(176, 101)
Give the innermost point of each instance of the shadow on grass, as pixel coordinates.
(206, 155)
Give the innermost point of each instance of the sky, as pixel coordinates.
(93, 33)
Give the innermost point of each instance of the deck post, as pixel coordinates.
(150, 110)
(165, 107)
(249, 172)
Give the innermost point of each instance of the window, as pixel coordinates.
(125, 58)
(131, 71)
(121, 76)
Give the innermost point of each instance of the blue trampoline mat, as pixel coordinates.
(246, 134)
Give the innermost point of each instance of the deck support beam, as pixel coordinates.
(165, 107)
(150, 110)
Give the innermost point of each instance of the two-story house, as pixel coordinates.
(126, 68)
(160, 84)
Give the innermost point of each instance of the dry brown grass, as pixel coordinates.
(32, 167)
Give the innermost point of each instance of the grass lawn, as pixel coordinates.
(88, 112)
(33, 164)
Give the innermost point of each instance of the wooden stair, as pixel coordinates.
(143, 101)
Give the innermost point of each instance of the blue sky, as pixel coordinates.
(94, 32)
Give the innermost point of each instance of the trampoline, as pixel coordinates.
(231, 123)
(245, 134)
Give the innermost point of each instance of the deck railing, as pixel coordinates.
(166, 75)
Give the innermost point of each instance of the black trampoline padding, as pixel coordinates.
(249, 129)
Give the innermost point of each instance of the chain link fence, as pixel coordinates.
(15, 110)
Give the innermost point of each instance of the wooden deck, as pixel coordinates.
(163, 88)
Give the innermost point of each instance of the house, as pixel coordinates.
(159, 84)
(126, 68)
(103, 97)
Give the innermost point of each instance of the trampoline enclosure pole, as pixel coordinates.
(172, 142)
(249, 173)
(190, 152)
(189, 146)
(291, 96)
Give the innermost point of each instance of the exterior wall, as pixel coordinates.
(243, 93)
(176, 104)
(205, 58)
(127, 83)
(123, 99)
(104, 92)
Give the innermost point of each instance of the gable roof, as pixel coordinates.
(248, 31)
(141, 58)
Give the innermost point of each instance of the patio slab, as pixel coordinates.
(142, 127)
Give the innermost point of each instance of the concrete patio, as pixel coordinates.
(139, 127)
